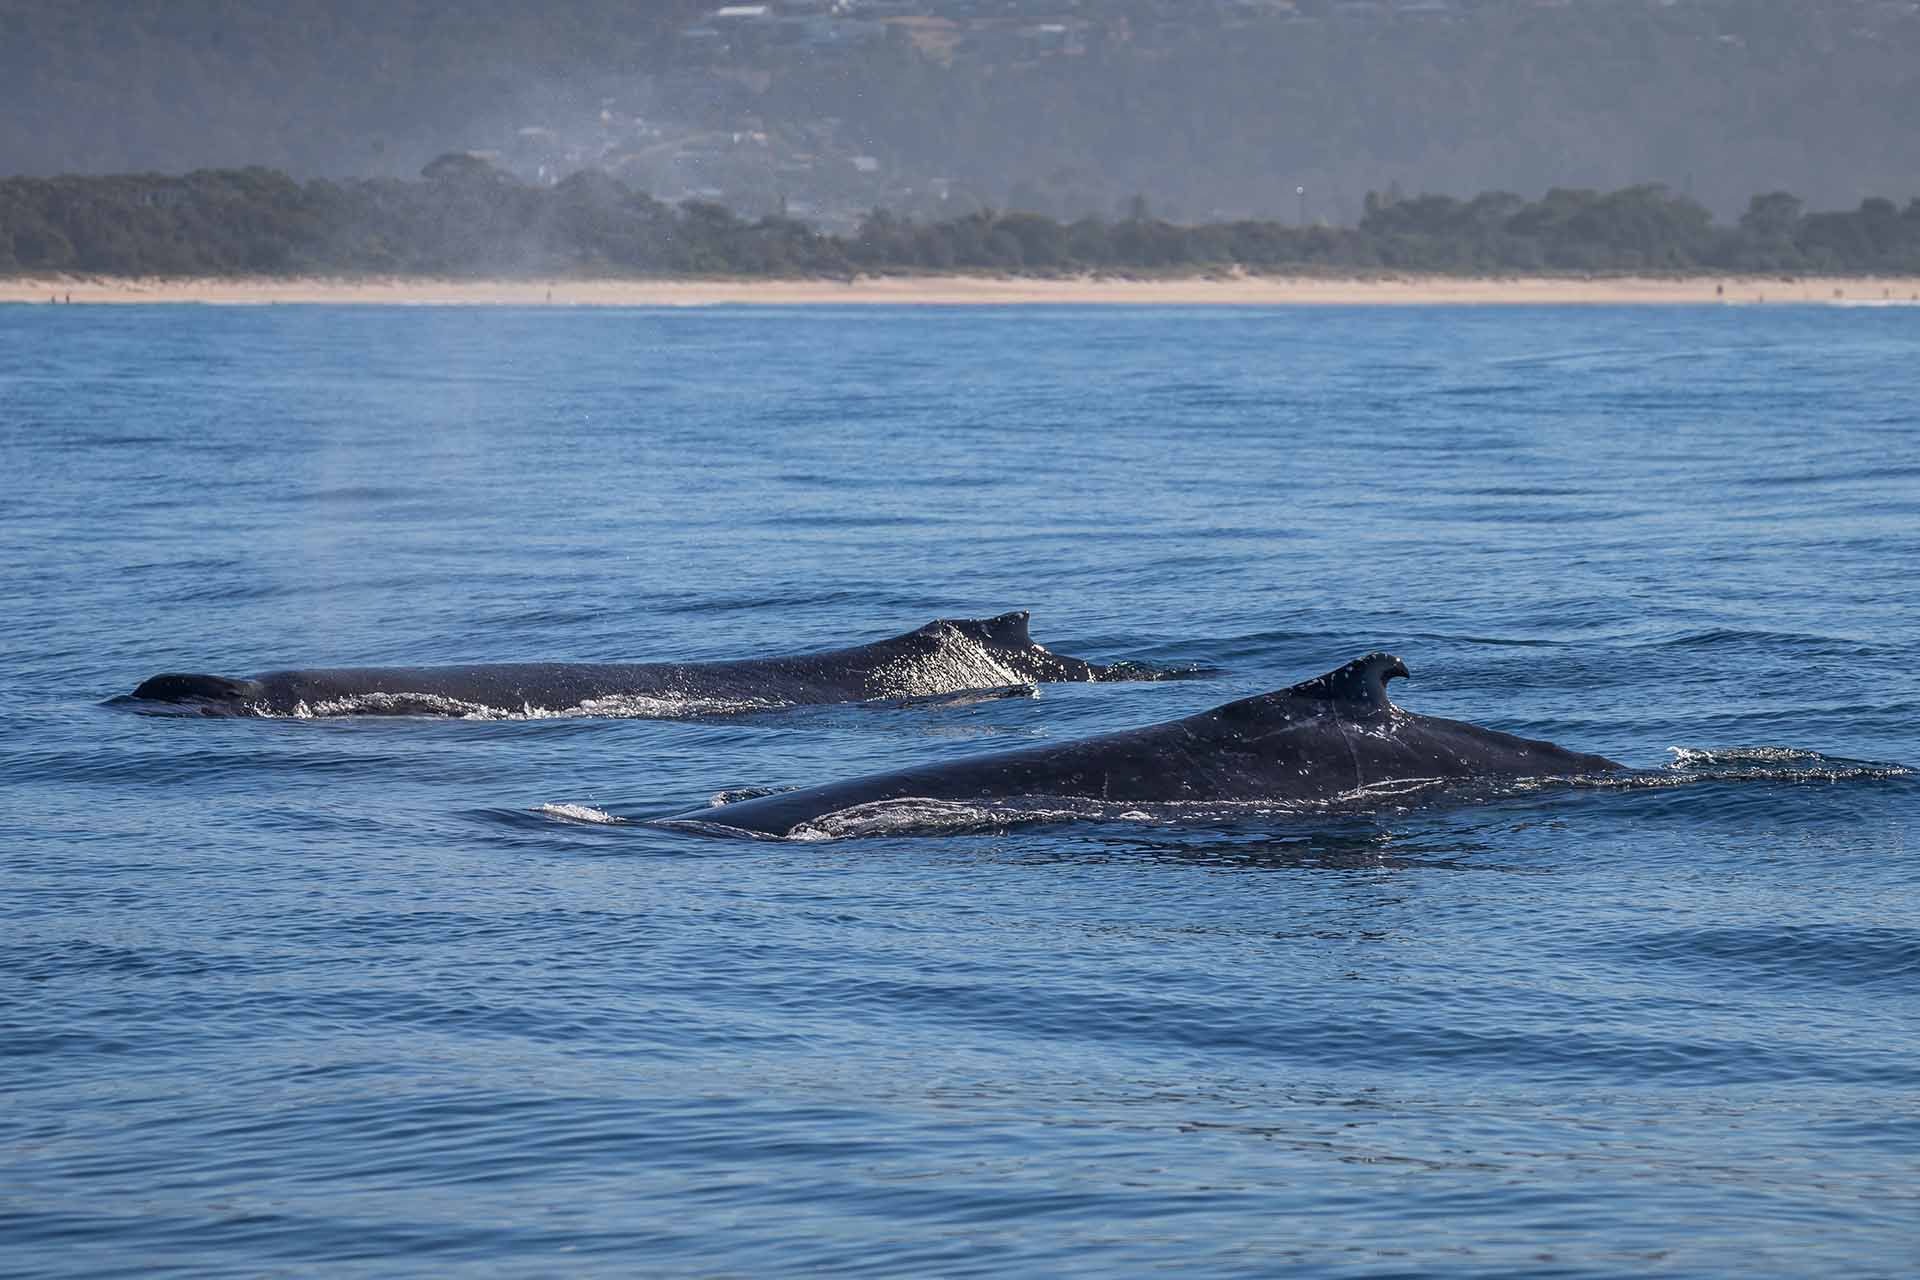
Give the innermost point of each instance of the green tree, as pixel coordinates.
(1772, 216)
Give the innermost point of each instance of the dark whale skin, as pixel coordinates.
(1322, 738)
(945, 656)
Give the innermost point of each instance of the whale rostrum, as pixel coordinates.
(948, 655)
(1334, 735)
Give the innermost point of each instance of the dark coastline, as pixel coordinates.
(465, 220)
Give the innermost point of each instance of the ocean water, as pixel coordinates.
(428, 996)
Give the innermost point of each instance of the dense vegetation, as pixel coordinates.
(464, 218)
(1716, 98)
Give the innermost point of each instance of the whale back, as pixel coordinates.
(971, 653)
(1357, 690)
(949, 655)
(1334, 736)
(1005, 631)
(1297, 729)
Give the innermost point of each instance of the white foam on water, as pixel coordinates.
(1696, 757)
(581, 813)
(1747, 764)
(733, 795)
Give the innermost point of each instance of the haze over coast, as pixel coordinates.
(1053, 138)
(1211, 109)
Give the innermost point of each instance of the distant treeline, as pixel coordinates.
(464, 218)
(1177, 98)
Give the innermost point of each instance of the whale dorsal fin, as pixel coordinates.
(1359, 688)
(1007, 630)
(1362, 681)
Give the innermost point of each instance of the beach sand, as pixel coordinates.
(951, 290)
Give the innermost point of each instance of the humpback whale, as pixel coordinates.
(1329, 737)
(948, 655)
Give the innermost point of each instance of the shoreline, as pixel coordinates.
(1221, 289)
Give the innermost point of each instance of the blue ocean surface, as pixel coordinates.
(413, 996)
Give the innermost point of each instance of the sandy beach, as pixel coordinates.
(942, 290)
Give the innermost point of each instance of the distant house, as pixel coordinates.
(163, 197)
(701, 43)
(465, 166)
(1046, 37)
(822, 32)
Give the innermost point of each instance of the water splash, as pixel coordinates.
(1771, 764)
(735, 794)
(581, 813)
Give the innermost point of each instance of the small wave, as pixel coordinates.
(1794, 955)
(1546, 359)
(108, 961)
(1498, 642)
(1130, 669)
(1774, 764)
(847, 520)
(1804, 642)
(795, 601)
(1874, 475)
(347, 495)
(1526, 491)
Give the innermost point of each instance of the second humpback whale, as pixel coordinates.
(948, 655)
(1334, 736)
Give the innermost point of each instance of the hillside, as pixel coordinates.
(1212, 109)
